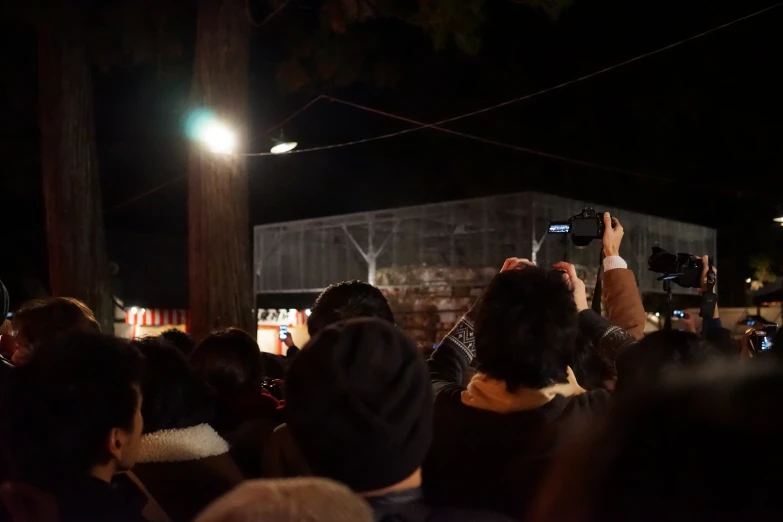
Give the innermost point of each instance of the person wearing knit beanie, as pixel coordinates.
(359, 405)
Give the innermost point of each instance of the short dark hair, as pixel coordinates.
(525, 328)
(644, 364)
(43, 319)
(175, 397)
(58, 410)
(347, 300)
(180, 340)
(228, 360)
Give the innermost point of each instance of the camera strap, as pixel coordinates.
(709, 298)
(599, 284)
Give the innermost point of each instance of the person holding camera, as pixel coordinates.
(621, 294)
(522, 335)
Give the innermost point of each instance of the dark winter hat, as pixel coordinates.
(359, 404)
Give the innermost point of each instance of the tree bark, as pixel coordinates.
(219, 233)
(72, 193)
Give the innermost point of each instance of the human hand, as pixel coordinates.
(576, 285)
(705, 270)
(613, 235)
(288, 340)
(516, 263)
(688, 322)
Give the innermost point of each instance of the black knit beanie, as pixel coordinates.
(359, 404)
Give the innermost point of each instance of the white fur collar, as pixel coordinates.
(196, 442)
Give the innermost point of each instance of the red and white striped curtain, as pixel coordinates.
(155, 316)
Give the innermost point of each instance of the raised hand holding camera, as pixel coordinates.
(576, 285)
(709, 300)
(613, 235)
(516, 263)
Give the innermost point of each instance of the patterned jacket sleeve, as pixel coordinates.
(454, 354)
(609, 340)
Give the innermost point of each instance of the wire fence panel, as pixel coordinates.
(454, 244)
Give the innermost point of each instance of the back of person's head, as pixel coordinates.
(645, 363)
(347, 300)
(74, 406)
(526, 325)
(175, 397)
(229, 361)
(41, 320)
(180, 340)
(288, 500)
(702, 446)
(359, 404)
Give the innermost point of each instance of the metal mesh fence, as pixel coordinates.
(456, 243)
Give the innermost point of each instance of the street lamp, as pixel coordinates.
(218, 138)
(204, 127)
(282, 146)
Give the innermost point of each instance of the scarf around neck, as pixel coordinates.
(486, 393)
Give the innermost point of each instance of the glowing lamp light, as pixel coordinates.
(778, 219)
(748, 280)
(134, 310)
(219, 139)
(203, 126)
(657, 314)
(308, 312)
(282, 147)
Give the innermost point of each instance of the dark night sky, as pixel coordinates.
(703, 122)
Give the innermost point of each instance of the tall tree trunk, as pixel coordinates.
(72, 191)
(219, 231)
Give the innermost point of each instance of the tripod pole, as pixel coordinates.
(667, 287)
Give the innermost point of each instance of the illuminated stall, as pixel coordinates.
(154, 321)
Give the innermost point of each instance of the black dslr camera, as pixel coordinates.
(583, 227)
(683, 269)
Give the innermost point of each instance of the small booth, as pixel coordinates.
(270, 323)
(144, 322)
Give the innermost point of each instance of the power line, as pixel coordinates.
(158, 188)
(527, 150)
(534, 94)
(436, 125)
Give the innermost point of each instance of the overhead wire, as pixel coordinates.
(533, 94)
(437, 125)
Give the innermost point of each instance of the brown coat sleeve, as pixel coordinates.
(623, 302)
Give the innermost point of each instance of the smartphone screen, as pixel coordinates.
(283, 332)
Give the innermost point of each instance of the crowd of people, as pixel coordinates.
(534, 407)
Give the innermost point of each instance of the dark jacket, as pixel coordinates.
(93, 500)
(185, 470)
(409, 506)
(508, 452)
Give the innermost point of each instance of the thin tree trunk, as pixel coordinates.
(219, 231)
(77, 245)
